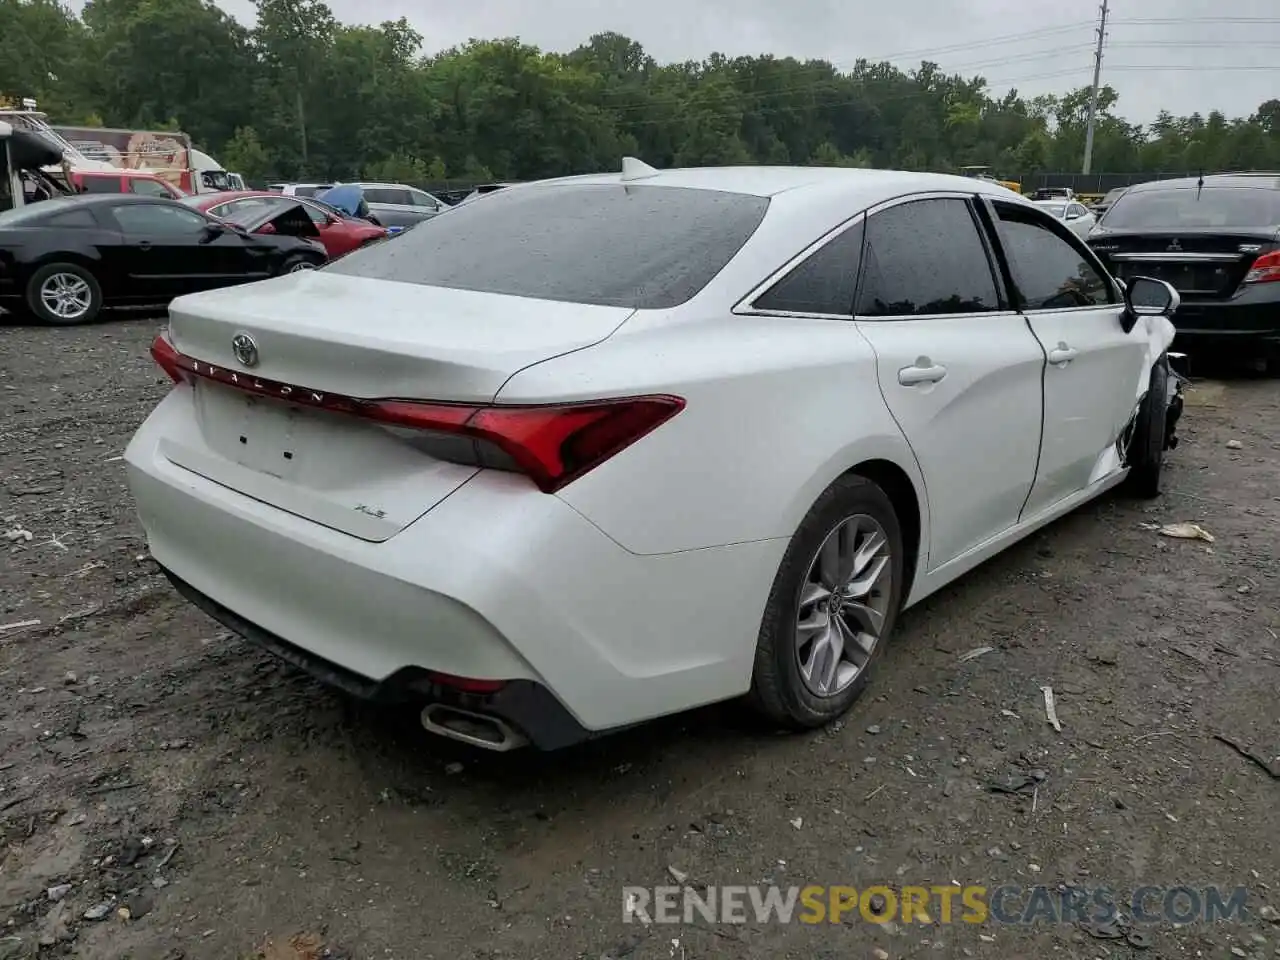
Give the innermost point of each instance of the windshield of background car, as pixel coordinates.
(1187, 207)
(644, 247)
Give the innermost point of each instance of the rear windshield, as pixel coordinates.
(1058, 210)
(645, 247)
(1188, 207)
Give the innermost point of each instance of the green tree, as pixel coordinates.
(244, 154)
(299, 95)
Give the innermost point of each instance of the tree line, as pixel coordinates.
(300, 96)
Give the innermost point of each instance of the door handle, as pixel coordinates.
(1061, 354)
(922, 371)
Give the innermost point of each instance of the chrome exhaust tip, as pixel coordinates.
(477, 729)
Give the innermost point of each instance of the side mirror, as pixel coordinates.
(1146, 297)
(213, 231)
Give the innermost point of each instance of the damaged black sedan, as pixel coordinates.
(63, 260)
(1216, 240)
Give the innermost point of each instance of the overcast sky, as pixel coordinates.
(1189, 55)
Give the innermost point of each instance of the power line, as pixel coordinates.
(1174, 21)
(1207, 44)
(1197, 67)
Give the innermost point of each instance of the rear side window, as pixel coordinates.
(387, 195)
(1049, 271)
(310, 191)
(925, 257)
(158, 219)
(76, 219)
(823, 283)
(644, 247)
(102, 185)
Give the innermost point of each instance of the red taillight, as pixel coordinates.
(553, 444)
(1266, 269)
(465, 684)
(168, 358)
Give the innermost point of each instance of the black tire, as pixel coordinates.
(300, 261)
(778, 689)
(1146, 446)
(42, 311)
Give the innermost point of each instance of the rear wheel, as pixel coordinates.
(1146, 446)
(833, 604)
(63, 294)
(299, 262)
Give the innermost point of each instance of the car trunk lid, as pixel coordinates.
(314, 334)
(1204, 264)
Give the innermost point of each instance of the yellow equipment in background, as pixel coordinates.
(983, 173)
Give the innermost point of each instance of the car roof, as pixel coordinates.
(765, 181)
(810, 198)
(222, 196)
(1247, 181)
(113, 199)
(116, 173)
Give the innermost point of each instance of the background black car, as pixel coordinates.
(1216, 239)
(63, 260)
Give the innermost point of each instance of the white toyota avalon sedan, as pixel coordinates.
(604, 448)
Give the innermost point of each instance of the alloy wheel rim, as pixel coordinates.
(303, 265)
(66, 295)
(842, 605)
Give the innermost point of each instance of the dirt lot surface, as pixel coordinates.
(155, 763)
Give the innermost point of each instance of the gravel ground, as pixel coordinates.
(154, 762)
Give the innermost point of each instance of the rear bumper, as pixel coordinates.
(496, 582)
(1247, 326)
(528, 706)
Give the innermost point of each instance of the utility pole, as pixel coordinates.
(1093, 98)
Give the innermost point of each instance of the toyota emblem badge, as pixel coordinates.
(245, 349)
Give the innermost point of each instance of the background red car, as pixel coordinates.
(124, 181)
(338, 233)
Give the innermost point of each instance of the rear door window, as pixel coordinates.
(925, 258)
(632, 245)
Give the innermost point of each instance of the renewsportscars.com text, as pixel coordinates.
(945, 904)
